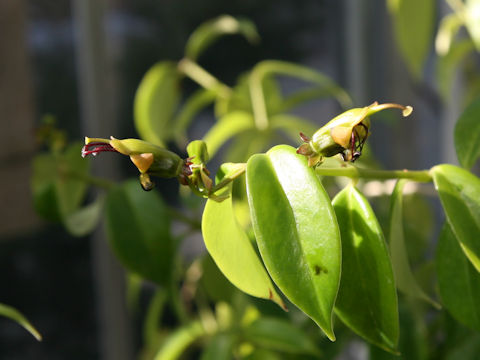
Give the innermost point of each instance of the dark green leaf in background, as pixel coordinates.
(458, 281)
(16, 316)
(413, 27)
(241, 99)
(413, 343)
(57, 183)
(280, 335)
(296, 231)
(404, 278)
(292, 125)
(138, 228)
(179, 340)
(367, 299)
(217, 287)
(459, 192)
(467, 135)
(220, 347)
(192, 106)
(82, 221)
(227, 127)
(232, 251)
(467, 349)
(155, 103)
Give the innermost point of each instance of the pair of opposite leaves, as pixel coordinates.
(298, 236)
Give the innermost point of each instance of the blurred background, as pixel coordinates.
(81, 61)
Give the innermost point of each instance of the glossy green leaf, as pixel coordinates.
(220, 347)
(138, 228)
(228, 126)
(155, 103)
(232, 251)
(212, 30)
(367, 299)
(57, 185)
(179, 340)
(459, 192)
(296, 231)
(16, 316)
(414, 23)
(404, 278)
(458, 281)
(467, 135)
(280, 335)
(84, 220)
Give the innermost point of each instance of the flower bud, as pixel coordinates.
(199, 178)
(345, 134)
(149, 159)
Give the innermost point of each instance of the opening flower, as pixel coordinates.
(149, 159)
(345, 134)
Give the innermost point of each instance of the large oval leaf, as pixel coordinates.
(467, 135)
(367, 299)
(459, 192)
(232, 251)
(155, 103)
(404, 277)
(296, 231)
(138, 228)
(458, 281)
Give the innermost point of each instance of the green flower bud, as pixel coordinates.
(149, 159)
(199, 179)
(345, 134)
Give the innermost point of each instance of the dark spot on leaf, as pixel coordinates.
(318, 269)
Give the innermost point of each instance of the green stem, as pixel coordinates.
(258, 99)
(349, 171)
(355, 172)
(177, 342)
(227, 180)
(203, 77)
(177, 304)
